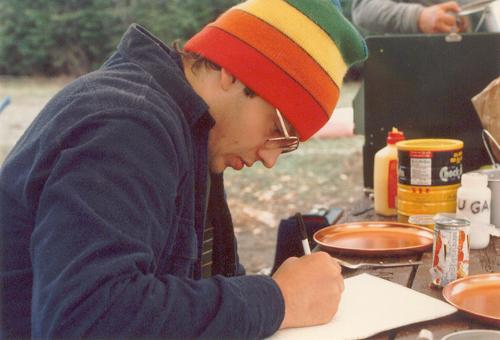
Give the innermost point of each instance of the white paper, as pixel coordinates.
(370, 305)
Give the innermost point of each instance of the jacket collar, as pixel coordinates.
(165, 66)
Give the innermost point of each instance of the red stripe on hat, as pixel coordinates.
(283, 51)
(263, 76)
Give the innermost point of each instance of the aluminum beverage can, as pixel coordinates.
(450, 252)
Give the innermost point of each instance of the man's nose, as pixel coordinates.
(269, 157)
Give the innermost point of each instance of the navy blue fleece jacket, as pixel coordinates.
(102, 209)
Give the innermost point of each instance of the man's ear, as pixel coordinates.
(227, 80)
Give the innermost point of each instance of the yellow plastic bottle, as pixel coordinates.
(385, 175)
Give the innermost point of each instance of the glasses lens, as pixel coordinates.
(287, 143)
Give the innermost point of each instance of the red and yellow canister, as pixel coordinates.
(429, 173)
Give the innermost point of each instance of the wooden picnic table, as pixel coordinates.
(418, 278)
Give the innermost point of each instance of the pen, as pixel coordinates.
(303, 233)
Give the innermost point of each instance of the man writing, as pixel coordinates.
(113, 216)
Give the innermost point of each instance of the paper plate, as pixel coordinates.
(476, 295)
(375, 238)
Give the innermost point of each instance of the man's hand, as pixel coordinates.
(311, 286)
(439, 18)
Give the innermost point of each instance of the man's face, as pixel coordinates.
(242, 128)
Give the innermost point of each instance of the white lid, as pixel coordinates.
(474, 179)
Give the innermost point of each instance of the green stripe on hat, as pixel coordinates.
(330, 19)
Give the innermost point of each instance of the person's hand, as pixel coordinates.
(311, 286)
(439, 18)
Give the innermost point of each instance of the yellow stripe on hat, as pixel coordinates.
(302, 31)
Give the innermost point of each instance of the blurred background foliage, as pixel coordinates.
(73, 37)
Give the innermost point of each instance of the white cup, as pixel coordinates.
(494, 185)
(475, 334)
(480, 235)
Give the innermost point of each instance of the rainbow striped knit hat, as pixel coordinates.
(294, 54)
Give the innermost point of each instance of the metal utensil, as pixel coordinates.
(483, 6)
(350, 265)
(485, 133)
(474, 7)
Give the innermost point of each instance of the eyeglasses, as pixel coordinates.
(286, 143)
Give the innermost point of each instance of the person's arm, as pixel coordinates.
(100, 243)
(311, 285)
(386, 16)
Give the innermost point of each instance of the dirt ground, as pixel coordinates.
(323, 173)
